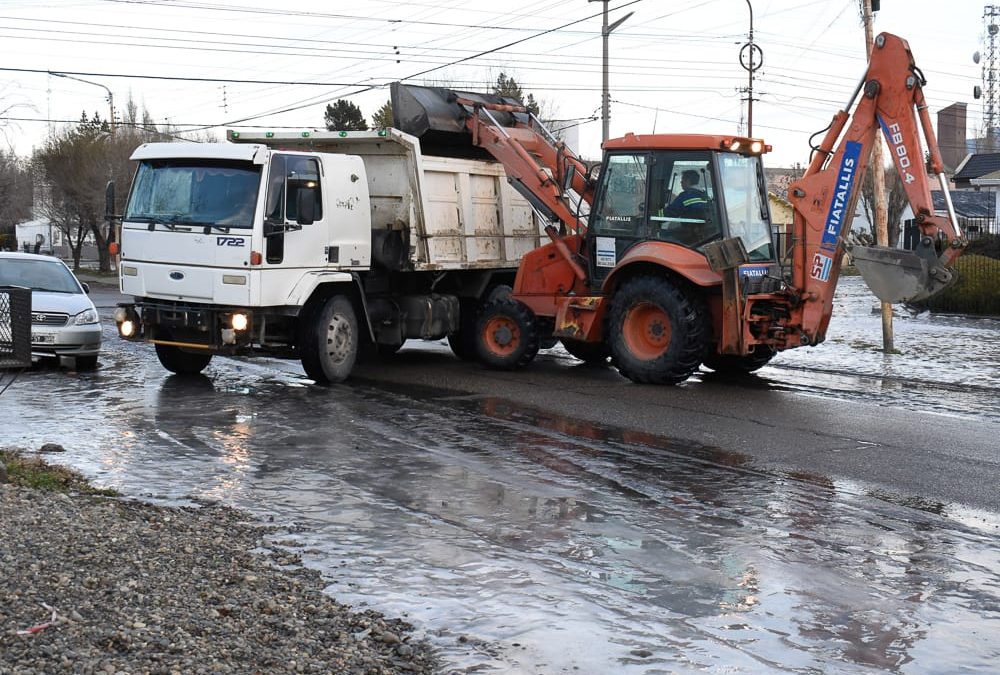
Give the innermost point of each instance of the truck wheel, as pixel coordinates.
(591, 353)
(657, 334)
(463, 342)
(506, 335)
(740, 365)
(329, 341)
(181, 362)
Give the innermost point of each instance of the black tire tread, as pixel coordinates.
(525, 320)
(689, 335)
(178, 361)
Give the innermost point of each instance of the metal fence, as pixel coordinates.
(15, 327)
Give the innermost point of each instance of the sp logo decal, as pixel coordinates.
(229, 241)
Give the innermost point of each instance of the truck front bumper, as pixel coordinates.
(219, 329)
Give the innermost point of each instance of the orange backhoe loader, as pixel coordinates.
(663, 256)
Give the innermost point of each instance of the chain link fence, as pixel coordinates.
(15, 333)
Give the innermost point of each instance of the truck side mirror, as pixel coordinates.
(305, 206)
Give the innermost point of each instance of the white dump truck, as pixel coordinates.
(313, 245)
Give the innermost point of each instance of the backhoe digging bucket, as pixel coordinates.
(895, 275)
(434, 115)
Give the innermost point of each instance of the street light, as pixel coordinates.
(606, 97)
(747, 56)
(111, 97)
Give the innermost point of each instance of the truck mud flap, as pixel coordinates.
(895, 275)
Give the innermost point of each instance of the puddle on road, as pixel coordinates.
(521, 542)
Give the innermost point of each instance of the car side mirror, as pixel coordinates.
(86, 287)
(305, 206)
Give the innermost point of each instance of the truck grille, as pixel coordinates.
(49, 319)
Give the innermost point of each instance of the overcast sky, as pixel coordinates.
(674, 65)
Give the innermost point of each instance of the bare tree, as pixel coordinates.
(15, 196)
(77, 163)
(895, 196)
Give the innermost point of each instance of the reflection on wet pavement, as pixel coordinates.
(934, 352)
(520, 542)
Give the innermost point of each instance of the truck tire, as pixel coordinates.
(463, 341)
(740, 365)
(328, 341)
(176, 360)
(506, 335)
(656, 333)
(591, 353)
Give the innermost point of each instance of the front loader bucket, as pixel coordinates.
(895, 275)
(434, 115)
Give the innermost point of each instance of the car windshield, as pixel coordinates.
(38, 275)
(189, 192)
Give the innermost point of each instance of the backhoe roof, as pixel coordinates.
(632, 141)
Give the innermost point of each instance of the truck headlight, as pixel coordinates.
(127, 328)
(239, 321)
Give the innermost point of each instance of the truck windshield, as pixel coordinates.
(179, 192)
(746, 206)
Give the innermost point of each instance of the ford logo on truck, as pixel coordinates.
(176, 276)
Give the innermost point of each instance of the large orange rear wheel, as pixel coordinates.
(657, 333)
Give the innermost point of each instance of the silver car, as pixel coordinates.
(64, 322)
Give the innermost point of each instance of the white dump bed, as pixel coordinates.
(460, 213)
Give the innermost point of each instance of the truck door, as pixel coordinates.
(290, 241)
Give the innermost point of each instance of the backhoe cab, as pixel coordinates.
(665, 260)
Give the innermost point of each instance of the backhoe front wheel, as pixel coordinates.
(328, 341)
(506, 335)
(656, 333)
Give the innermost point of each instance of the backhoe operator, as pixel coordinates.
(690, 198)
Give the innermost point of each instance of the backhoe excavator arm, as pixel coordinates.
(539, 165)
(825, 197)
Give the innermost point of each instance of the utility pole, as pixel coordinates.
(751, 58)
(606, 90)
(111, 97)
(878, 178)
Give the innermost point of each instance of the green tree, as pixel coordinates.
(508, 86)
(344, 116)
(382, 118)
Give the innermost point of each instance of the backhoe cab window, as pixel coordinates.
(682, 199)
(622, 211)
(289, 174)
(746, 208)
(183, 192)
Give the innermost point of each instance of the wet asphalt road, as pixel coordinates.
(564, 520)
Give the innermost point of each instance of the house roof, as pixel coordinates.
(978, 165)
(967, 203)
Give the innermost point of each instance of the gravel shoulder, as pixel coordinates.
(139, 588)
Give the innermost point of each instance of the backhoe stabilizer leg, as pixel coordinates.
(895, 275)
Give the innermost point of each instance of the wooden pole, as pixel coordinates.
(878, 178)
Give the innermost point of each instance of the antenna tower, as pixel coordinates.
(991, 107)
